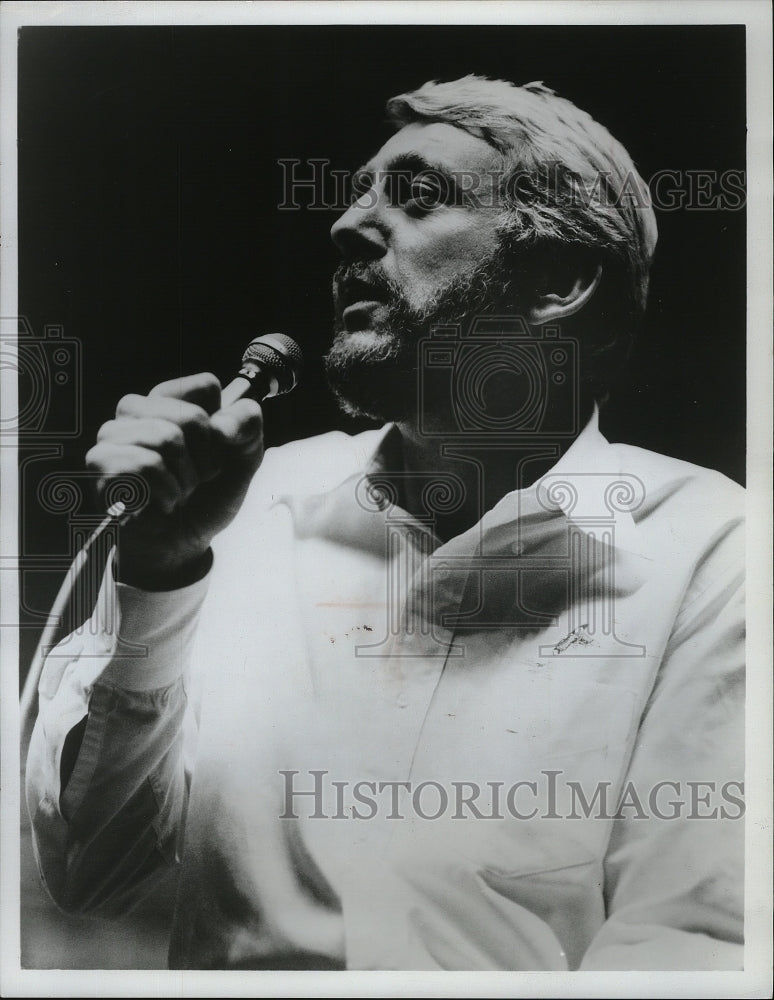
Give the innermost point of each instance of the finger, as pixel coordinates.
(116, 461)
(240, 427)
(180, 411)
(240, 430)
(191, 418)
(163, 436)
(202, 389)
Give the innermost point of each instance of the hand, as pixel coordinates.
(197, 461)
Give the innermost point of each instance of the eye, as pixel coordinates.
(427, 190)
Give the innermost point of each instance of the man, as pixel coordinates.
(460, 693)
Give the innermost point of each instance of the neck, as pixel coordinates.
(485, 470)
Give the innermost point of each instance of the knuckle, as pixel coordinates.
(106, 430)
(251, 409)
(171, 439)
(167, 387)
(253, 421)
(154, 463)
(128, 403)
(149, 464)
(93, 457)
(195, 420)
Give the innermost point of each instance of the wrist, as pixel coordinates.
(174, 576)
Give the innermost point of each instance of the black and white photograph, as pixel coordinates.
(386, 445)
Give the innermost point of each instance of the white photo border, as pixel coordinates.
(755, 981)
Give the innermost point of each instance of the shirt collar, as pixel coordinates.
(589, 487)
(586, 484)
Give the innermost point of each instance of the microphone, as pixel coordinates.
(270, 367)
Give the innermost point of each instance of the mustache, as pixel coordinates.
(354, 277)
(490, 286)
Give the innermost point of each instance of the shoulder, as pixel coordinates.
(682, 484)
(686, 509)
(296, 470)
(312, 465)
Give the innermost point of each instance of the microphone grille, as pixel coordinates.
(278, 356)
(267, 348)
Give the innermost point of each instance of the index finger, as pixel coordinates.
(202, 389)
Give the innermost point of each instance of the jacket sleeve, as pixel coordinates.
(674, 870)
(106, 777)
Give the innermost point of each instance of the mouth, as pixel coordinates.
(356, 292)
(362, 316)
(361, 306)
(357, 301)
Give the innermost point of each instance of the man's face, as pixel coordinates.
(416, 253)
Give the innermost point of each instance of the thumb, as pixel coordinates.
(238, 428)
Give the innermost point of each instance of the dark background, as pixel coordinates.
(149, 229)
(149, 232)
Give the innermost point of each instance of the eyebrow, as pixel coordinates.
(409, 165)
(409, 162)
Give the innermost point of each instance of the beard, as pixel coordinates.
(373, 373)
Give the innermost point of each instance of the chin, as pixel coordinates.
(371, 376)
(363, 339)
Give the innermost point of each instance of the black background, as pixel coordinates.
(149, 228)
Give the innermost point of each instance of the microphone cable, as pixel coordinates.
(116, 513)
(270, 367)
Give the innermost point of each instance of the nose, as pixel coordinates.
(361, 233)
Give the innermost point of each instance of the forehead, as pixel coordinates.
(442, 145)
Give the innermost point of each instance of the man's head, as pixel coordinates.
(491, 199)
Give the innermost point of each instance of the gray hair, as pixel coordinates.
(566, 180)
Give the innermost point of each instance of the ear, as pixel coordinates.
(551, 306)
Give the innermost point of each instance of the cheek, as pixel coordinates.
(453, 253)
(456, 246)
